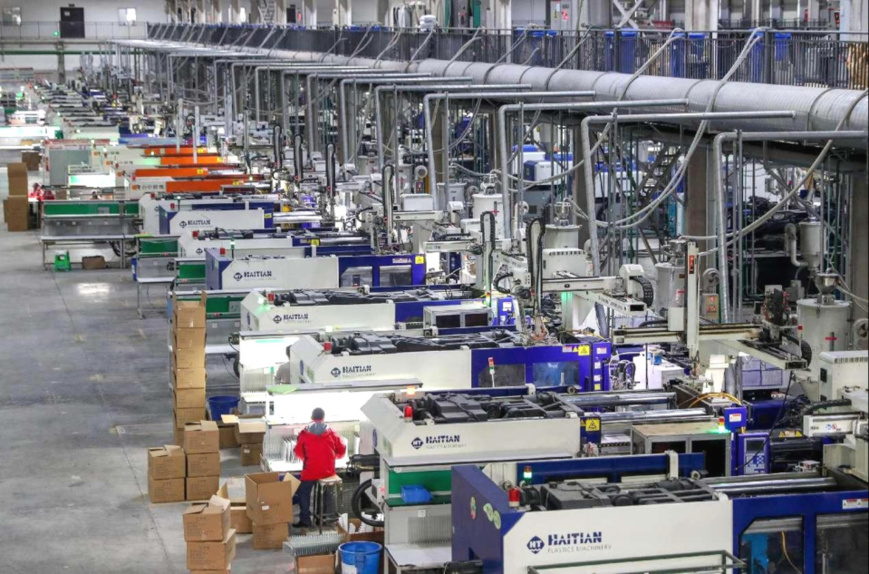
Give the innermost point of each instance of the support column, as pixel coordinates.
(255, 14)
(309, 13)
(498, 14)
(699, 203)
(280, 16)
(342, 14)
(859, 272)
(579, 187)
(853, 16)
(234, 16)
(701, 15)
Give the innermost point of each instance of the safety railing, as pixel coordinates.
(784, 57)
(92, 31)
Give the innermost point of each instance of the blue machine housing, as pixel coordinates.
(503, 310)
(216, 264)
(478, 539)
(268, 208)
(758, 548)
(583, 364)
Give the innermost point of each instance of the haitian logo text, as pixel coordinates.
(354, 370)
(568, 542)
(441, 441)
(291, 317)
(185, 223)
(239, 275)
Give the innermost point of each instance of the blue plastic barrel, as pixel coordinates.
(360, 557)
(221, 405)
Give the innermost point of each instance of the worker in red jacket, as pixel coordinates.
(318, 447)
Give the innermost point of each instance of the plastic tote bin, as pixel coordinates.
(61, 261)
(415, 494)
(222, 405)
(360, 557)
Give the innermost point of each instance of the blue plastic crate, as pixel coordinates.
(415, 494)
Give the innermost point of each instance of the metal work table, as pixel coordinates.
(47, 240)
(147, 282)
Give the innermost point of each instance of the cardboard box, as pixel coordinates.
(165, 462)
(221, 571)
(227, 437)
(269, 536)
(250, 432)
(211, 555)
(93, 262)
(202, 487)
(184, 416)
(207, 521)
(189, 338)
(269, 499)
(237, 512)
(16, 213)
(376, 536)
(318, 564)
(189, 378)
(188, 398)
(171, 490)
(251, 454)
(201, 437)
(250, 429)
(188, 314)
(206, 464)
(31, 159)
(188, 358)
(17, 175)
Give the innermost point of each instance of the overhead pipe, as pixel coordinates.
(303, 66)
(389, 78)
(815, 108)
(506, 197)
(312, 94)
(429, 98)
(431, 88)
(689, 117)
(717, 150)
(368, 77)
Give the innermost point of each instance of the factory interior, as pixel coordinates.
(434, 286)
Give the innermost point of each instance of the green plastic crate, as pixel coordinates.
(61, 261)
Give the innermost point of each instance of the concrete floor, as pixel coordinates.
(83, 392)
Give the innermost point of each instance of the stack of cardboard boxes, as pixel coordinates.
(16, 208)
(237, 511)
(269, 502)
(210, 537)
(188, 363)
(250, 430)
(202, 445)
(167, 471)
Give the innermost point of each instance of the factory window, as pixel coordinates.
(841, 543)
(556, 374)
(127, 16)
(396, 275)
(356, 277)
(773, 545)
(504, 376)
(452, 321)
(12, 16)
